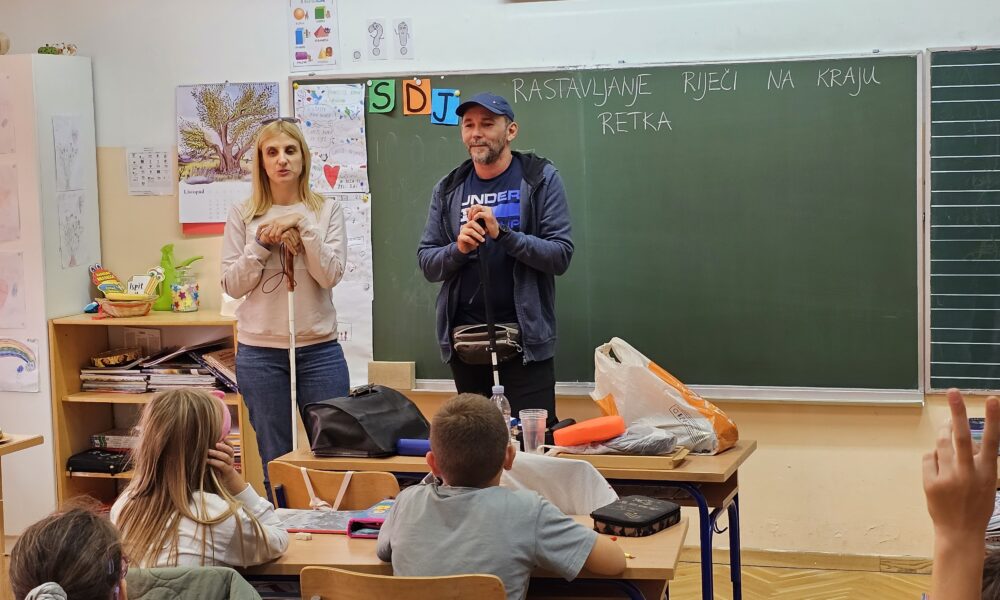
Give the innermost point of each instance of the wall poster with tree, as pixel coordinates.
(216, 127)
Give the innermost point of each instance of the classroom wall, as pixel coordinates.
(825, 479)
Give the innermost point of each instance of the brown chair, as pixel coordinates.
(325, 583)
(365, 489)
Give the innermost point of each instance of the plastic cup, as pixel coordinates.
(533, 427)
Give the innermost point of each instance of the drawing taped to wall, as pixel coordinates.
(12, 304)
(8, 143)
(66, 135)
(376, 42)
(333, 121)
(71, 229)
(10, 216)
(18, 365)
(402, 37)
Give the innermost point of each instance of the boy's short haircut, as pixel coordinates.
(991, 574)
(469, 440)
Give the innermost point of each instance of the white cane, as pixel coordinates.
(289, 268)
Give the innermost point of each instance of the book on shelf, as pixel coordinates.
(182, 372)
(124, 387)
(126, 378)
(175, 352)
(119, 439)
(136, 376)
(221, 363)
(131, 367)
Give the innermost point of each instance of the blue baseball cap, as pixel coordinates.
(495, 104)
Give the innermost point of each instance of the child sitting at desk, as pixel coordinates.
(467, 524)
(186, 504)
(75, 553)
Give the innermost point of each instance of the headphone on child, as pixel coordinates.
(227, 418)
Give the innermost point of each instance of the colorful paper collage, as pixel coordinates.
(333, 122)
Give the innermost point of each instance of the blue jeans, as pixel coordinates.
(262, 375)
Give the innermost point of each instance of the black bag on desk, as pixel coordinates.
(636, 516)
(99, 461)
(367, 423)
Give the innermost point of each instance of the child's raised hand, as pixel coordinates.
(959, 478)
(221, 459)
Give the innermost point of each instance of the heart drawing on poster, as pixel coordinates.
(331, 174)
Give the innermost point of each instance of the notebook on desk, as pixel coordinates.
(295, 520)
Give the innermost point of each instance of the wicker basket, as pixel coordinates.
(124, 308)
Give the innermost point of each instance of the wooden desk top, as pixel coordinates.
(707, 469)
(656, 556)
(13, 442)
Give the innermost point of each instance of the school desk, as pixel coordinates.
(9, 444)
(653, 564)
(710, 482)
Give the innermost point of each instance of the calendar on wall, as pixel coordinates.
(216, 128)
(148, 171)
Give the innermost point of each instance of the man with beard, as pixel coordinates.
(508, 209)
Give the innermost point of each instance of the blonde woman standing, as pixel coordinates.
(283, 212)
(187, 505)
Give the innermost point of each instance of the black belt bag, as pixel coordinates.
(472, 343)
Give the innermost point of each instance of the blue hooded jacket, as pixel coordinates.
(542, 248)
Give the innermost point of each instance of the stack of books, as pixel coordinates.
(127, 379)
(221, 363)
(121, 439)
(182, 374)
(233, 439)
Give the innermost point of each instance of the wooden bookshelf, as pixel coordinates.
(122, 475)
(121, 398)
(78, 414)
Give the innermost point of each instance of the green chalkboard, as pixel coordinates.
(747, 224)
(965, 219)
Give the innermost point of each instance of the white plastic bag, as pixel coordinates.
(631, 385)
(641, 439)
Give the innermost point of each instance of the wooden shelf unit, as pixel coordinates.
(77, 414)
(122, 475)
(113, 398)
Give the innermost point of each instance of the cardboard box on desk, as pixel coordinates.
(397, 375)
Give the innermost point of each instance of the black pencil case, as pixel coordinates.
(99, 461)
(636, 516)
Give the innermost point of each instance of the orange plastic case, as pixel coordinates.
(591, 430)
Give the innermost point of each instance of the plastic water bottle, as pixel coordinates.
(503, 405)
